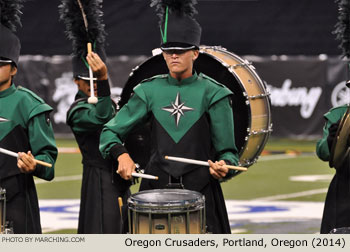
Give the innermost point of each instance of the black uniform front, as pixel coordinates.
(101, 186)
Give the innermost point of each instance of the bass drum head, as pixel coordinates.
(138, 141)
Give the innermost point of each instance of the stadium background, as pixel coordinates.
(294, 51)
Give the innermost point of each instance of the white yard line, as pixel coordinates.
(290, 195)
(293, 195)
(68, 150)
(284, 156)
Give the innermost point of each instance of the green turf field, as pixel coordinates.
(269, 177)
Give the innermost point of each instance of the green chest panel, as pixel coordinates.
(178, 110)
(10, 116)
(177, 106)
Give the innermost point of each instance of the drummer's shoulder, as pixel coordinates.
(213, 86)
(150, 81)
(210, 81)
(337, 111)
(154, 78)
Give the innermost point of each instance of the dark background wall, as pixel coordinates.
(246, 27)
(282, 38)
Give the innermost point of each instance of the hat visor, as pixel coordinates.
(177, 48)
(5, 61)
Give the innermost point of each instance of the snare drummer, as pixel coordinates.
(25, 127)
(191, 116)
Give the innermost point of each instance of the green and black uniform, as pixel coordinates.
(24, 126)
(101, 186)
(336, 211)
(193, 119)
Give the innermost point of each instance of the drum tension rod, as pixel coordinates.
(252, 97)
(245, 63)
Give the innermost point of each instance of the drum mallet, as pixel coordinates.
(204, 163)
(120, 202)
(92, 99)
(14, 154)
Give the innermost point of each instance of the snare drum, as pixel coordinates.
(251, 105)
(168, 211)
(2, 210)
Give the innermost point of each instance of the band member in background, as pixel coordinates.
(101, 186)
(25, 128)
(190, 114)
(336, 213)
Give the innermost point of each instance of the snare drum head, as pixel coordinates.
(138, 140)
(161, 200)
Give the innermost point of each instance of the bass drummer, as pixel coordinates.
(334, 147)
(190, 115)
(336, 213)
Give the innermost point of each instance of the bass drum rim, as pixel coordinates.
(216, 68)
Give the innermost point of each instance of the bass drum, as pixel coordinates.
(251, 104)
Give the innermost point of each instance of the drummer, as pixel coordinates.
(190, 115)
(336, 213)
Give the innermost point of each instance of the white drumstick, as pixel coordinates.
(14, 154)
(204, 163)
(142, 175)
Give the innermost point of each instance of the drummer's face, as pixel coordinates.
(7, 71)
(84, 86)
(180, 62)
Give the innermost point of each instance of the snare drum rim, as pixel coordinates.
(2, 194)
(3, 210)
(176, 206)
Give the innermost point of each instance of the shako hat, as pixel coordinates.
(10, 45)
(342, 31)
(83, 21)
(178, 28)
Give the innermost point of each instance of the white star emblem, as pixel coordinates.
(177, 109)
(3, 119)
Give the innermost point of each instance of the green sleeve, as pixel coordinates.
(89, 117)
(43, 145)
(222, 126)
(116, 130)
(333, 116)
(322, 149)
